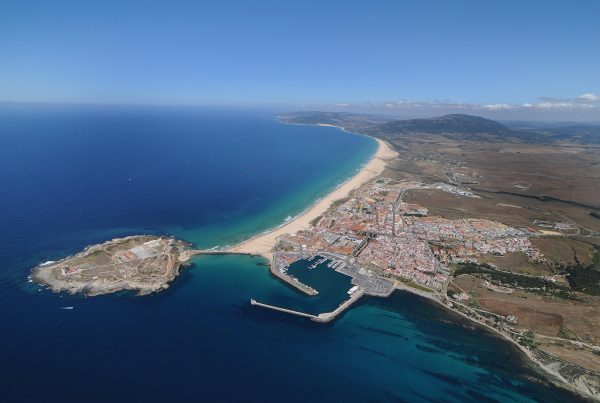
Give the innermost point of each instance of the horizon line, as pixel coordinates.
(291, 107)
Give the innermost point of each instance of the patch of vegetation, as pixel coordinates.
(596, 260)
(530, 283)
(473, 302)
(284, 247)
(567, 333)
(527, 340)
(412, 284)
(470, 268)
(315, 221)
(564, 294)
(339, 202)
(452, 294)
(584, 279)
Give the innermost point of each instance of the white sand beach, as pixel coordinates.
(263, 244)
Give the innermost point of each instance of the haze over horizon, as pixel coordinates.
(502, 60)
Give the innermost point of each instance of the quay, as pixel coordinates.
(329, 316)
(276, 308)
(322, 317)
(294, 282)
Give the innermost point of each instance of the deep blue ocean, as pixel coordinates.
(74, 176)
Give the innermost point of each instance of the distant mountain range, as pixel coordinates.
(448, 124)
(456, 126)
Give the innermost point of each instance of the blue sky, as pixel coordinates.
(335, 53)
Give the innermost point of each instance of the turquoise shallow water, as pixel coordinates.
(76, 176)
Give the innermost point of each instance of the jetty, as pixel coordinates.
(276, 308)
(329, 316)
(322, 317)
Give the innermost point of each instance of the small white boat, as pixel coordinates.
(67, 307)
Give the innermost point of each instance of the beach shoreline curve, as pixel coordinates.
(263, 243)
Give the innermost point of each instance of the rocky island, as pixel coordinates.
(141, 263)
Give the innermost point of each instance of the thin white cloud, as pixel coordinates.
(555, 105)
(585, 107)
(553, 100)
(496, 107)
(545, 103)
(588, 97)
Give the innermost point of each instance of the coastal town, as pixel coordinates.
(374, 234)
(384, 243)
(493, 224)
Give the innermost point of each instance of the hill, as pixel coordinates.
(456, 126)
(464, 124)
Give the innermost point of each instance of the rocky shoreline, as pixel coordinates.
(143, 263)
